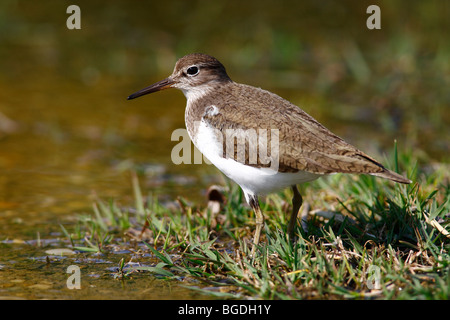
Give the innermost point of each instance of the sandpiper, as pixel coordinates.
(301, 149)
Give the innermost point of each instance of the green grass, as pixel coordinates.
(384, 240)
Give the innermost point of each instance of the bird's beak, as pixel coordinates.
(160, 85)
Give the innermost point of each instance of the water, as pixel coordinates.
(28, 271)
(55, 160)
(67, 131)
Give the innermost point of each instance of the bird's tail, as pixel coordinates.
(391, 175)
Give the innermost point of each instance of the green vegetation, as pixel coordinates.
(66, 128)
(383, 240)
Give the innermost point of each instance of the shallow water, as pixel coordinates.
(68, 133)
(54, 167)
(29, 271)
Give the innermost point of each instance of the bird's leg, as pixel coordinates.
(296, 204)
(253, 201)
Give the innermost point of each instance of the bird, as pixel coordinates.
(230, 122)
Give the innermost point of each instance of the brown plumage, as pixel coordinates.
(305, 144)
(306, 150)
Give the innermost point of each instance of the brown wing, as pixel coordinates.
(304, 144)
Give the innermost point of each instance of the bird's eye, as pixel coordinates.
(192, 71)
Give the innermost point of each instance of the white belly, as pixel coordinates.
(251, 179)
